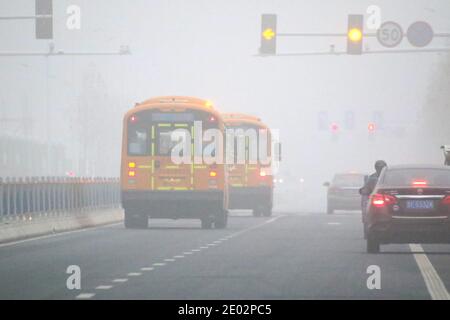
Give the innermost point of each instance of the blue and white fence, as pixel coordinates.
(27, 197)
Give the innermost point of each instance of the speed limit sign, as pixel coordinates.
(390, 34)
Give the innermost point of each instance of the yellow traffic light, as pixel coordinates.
(268, 34)
(355, 35)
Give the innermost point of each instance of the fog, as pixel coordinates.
(72, 106)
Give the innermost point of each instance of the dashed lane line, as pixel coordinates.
(147, 269)
(161, 264)
(134, 274)
(83, 296)
(103, 287)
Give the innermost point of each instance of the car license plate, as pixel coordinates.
(419, 204)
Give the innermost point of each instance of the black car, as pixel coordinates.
(410, 204)
(343, 192)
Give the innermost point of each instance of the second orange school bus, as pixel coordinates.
(153, 185)
(251, 184)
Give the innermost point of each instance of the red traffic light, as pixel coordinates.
(334, 127)
(371, 127)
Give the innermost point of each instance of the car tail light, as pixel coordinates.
(382, 200)
(446, 201)
(262, 173)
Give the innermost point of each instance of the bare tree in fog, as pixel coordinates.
(436, 111)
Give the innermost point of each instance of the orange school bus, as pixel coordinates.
(251, 184)
(158, 183)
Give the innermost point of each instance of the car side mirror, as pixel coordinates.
(326, 184)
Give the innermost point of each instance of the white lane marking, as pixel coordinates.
(103, 287)
(159, 264)
(62, 233)
(434, 283)
(85, 296)
(272, 220)
(256, 226)
(178, 257)
(215, 243)
(147, 269)
(223, 239)
(120, 280)
(334, 223)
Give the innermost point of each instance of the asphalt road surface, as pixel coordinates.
(287, 256)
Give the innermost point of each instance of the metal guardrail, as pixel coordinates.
(24, 198)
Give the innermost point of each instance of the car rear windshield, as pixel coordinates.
(349, 180)
(417, 177)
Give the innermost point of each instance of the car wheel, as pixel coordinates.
(221, 220)
(207, 223)
(135, 221)
(373, 246)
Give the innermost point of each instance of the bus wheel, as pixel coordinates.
(267, 211)
(207, 223)
(221, 220)
(135, 221)
(257, 212)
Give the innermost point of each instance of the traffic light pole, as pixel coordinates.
(338, 53)
(61, 54)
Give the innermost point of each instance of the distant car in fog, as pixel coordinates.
(343, 192)
(410, 204)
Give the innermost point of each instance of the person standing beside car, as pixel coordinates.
(368, 188)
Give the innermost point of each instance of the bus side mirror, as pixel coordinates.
(278, 151)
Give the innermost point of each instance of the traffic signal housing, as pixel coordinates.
(268, 34)
(355, 34)
(44, 25)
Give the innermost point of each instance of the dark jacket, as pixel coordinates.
(370, 184)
